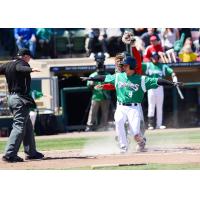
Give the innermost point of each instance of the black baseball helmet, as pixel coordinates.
(154, 54)
(129, 61)
(99, 57)
(125, 54)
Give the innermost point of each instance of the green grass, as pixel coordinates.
(179, 137)
(57, 144)
(152, 166)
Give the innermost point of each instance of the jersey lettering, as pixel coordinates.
(129, 85)
(154, 71)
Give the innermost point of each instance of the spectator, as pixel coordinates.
(154, 47)
(94, 44)
(44, 36)
(100, 98)
(7, 40)
(139, 31)
(112, 38)
(186, 31)
(195, 38)
(168, 37)
(187, 54)
(26, 38)
(195, 34)
(146, 36)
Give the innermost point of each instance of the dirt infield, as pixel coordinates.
(67, 159)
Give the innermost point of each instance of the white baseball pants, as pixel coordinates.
(155, 100)
(33, 116)
(133, 115)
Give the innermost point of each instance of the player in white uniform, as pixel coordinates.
(154, 69)
(130, 89)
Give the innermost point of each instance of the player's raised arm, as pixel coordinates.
(100, 78)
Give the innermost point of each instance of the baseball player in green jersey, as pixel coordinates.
(100, 98)
(33, 112)
(154, 69)
(130, 90)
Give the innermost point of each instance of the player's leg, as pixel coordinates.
(105, 104)
(142, 122)
(120, 119)
(33, 116)
(159, 107)
(92, 116)
(134, 118)
(151, 108)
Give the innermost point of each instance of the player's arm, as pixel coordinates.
(136, 54)
(152, 83)
(144, 67)
(165, 82)
(91, 84)
(101, 78)
(169, 71)
(129, 39)
(98, 78)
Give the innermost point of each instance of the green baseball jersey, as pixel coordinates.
(158, 70)
(36, 94)
(98, 94)
(131, 89)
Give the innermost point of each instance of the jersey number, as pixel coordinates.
(130, 94)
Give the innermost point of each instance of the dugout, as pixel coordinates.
(75, 97)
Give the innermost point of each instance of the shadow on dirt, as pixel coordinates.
(69, 157)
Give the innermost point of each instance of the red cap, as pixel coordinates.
(153, 38)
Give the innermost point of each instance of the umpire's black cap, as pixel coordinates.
(23, 52)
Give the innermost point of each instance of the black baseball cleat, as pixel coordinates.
(12, 159)
(37, 156)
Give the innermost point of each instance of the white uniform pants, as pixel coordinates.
(133, 115)
(155, 100)
(93, 113)
(33, 115)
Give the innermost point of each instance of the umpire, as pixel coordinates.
(18, 78)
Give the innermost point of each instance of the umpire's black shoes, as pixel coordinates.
(37, 156)
(12, 159)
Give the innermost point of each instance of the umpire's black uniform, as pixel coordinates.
(18, 79)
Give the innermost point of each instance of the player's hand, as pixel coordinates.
(85, 78)
(36, 69)
(175, 79)
(98, 87)
(178, 84)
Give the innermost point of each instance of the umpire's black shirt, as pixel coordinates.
(18, 76)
